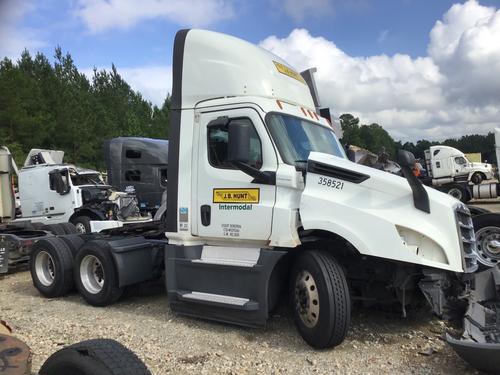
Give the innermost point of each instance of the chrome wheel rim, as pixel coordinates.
(92, 274)
(488, 245)
(45, 268)
(307, 299)
(80, 228)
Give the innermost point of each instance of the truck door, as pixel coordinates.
(229, 205)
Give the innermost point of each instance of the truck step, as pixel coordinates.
(219, 300)
(229, 256)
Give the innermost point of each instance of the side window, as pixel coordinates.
(133, 175)
(460, 160)
(132, 154)
(52, 181)
(438, 164)
(218, 145)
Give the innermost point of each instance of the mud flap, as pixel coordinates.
(480, 342)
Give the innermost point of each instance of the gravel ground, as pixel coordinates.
(378, 342)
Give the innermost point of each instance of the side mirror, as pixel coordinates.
(406, 158)
(238, 150)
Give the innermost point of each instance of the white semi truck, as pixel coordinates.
(262, 200)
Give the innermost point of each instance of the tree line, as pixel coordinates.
(54, 106)
(374, 138)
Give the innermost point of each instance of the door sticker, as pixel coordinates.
(247, 196)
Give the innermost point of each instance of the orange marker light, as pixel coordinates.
(303, 111)
(278, 102)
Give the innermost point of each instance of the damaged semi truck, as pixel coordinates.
(262, 199)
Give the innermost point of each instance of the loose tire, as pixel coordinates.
(82, 224)
(51, 267)
(56, 229)
(487, 230)
(69, 228)
(477, 178)
(320, 299)
(95, 274)
(94, 357)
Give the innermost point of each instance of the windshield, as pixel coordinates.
(296, 138)
(85, 179)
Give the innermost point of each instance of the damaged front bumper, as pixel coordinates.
(479, 344)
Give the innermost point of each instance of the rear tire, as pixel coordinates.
(74, 242)
(69, 228)
(82, 224)
(51, 267)
(94, 357)
(56, 229)
(96, 275)
(320, 299)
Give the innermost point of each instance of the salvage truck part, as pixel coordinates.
(262, 200)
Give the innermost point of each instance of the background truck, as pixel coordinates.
(262, 202)
(141, 164)
(51, 192)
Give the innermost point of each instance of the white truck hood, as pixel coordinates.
(376, 214)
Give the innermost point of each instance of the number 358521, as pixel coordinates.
(330, 182)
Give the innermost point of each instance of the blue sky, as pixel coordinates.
(390, 41)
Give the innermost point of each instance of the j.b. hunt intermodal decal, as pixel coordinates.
(236, 199)
(236, 195)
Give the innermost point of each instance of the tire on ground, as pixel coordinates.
(92, 357)
(319, 272)
(69, 228)
(96, 275)
(82, 223)
(51, 267)
(74, 242)
(56, 229)
(487, 231)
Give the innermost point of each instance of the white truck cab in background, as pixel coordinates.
(447, 164)
(51, 192)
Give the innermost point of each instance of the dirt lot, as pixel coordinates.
(379, 342)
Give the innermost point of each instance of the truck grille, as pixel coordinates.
(467, 238)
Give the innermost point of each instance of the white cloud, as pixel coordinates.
(13, 38)
(152, 81)
(101, 15)
(454, 90)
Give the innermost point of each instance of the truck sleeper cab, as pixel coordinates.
(261, 198)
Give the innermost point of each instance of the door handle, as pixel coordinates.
(205, 215)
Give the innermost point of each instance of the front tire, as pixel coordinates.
(459, 192)
(96, 275)
(477, 178)
(487, 231)
(320, 299)
(82, 224)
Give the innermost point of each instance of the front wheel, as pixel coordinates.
(477, 178)
(82, 224)
(487, 229)
(320, 299)
(458, 192)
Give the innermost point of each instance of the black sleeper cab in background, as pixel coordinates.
(141, 163)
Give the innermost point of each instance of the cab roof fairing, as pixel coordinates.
(217, 65)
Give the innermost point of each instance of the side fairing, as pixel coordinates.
(374, 211)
